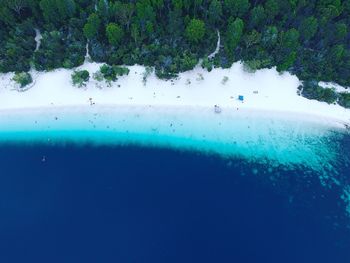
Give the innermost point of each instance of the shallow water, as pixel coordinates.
(131, 187)
(279, 138)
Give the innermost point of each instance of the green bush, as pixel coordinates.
(312, 91)
(146, 74)
(208, 64)
(121, 71)
(344, 99)
(80, 77)
(111, 73)
(23, 79)
(165, 74)
(253, 65)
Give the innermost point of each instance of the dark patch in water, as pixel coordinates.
(129, 204)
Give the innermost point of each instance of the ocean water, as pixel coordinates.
(167, 186)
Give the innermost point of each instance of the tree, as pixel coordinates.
(145, 12)
(196, 5)
(57, 12)
(18, 48)
(215, 12)
(158, 4)
(237, 7)
(177, 4)
(146, 17)
(290, 40)
(17, 5)
(92, 26)
(66, 8)
(336, 54)
(51, 54)
(49, 11)
(123, 13)
(103, 10)
(22, 79)
(80, 77)
(272, 9)
(341, 31)
(252, 38)
(308, 28)
(257, 17)
(195, 30)
(135, 33)
(270, 37)
(287, 61)
(233, 35)
(6, 16)
(114, 34)
(175, 26)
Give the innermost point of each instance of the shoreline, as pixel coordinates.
(243, 112)
(265, 92)
(280, 138)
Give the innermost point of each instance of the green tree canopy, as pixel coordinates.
(233, 35)
(341, 31)
(57, 12)
(66, 8)
(290, 39)
(114, 33)
(123, 12)
(237, 7)
(257, 17)
(272, 9)
(308, 28)
(92, 26)
(195, 30)
(103, 10)
(215, 12)
(270, 37)
(49, 11)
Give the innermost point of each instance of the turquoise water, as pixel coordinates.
(254, 136)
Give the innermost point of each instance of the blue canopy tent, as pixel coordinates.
(241, 98)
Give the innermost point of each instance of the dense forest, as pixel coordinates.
(309, 38)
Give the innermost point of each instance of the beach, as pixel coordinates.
(264, 90)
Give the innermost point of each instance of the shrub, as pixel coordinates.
(207, 64)
(165, 74)
(344, 99)
(111, 73)
(251, 66)
(121, 71)
(146, 74)
(80, 77)
(108, 73)
(224, 80)
(187, 62)
(23, 79)
(200, 77)
(98, 76)
(312, 91)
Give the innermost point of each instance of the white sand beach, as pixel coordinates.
(264, 90)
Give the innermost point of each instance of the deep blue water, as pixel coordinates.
(129, 204)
